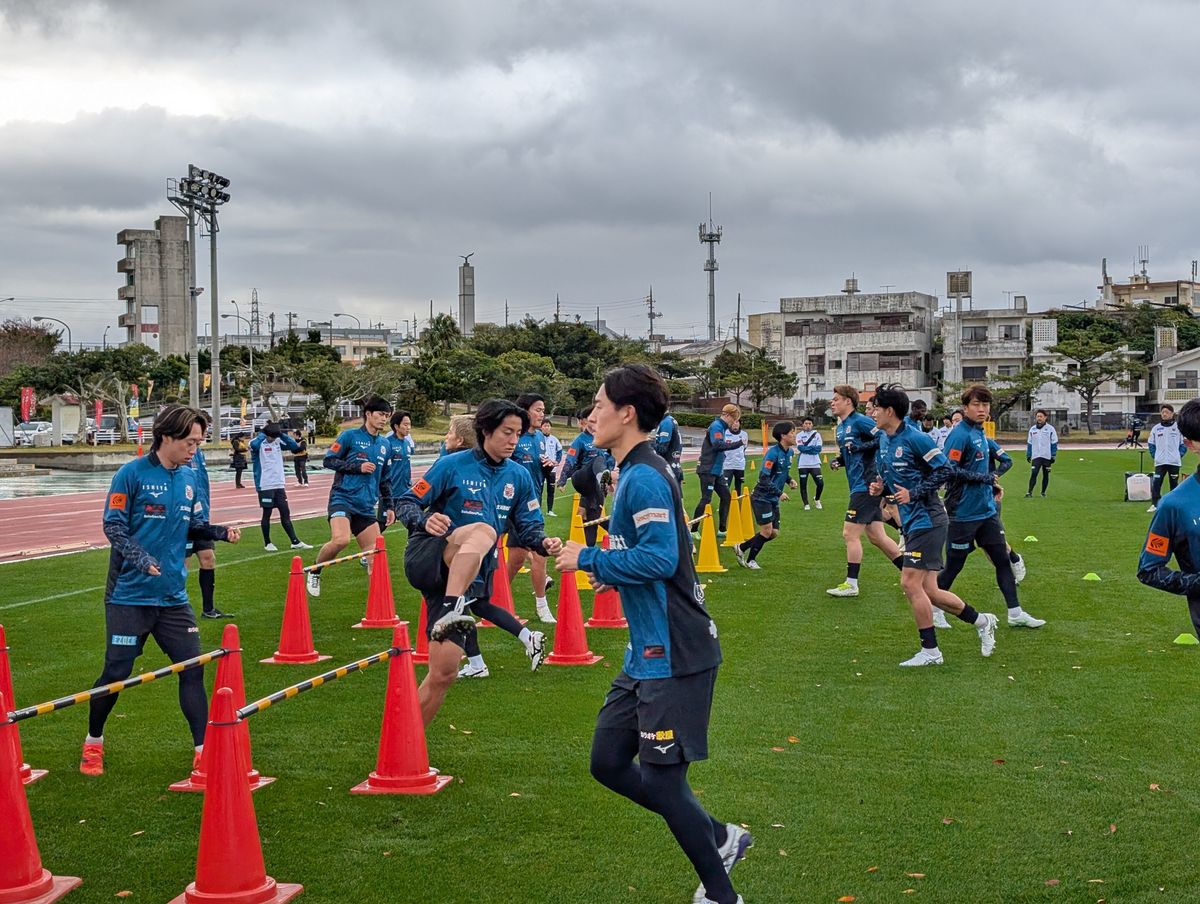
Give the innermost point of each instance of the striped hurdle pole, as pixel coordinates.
(95, 693)
(324, 678)
(352, 557)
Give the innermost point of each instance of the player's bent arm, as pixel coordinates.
(938, 477)
(1003, 463)
(1163, 578)
(117, 532)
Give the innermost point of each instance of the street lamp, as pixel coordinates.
(247, 322)
(358, 323)
(10, 298)
(104, 341)
(350, 345)
(56, 320)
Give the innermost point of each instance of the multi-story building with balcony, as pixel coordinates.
(155, 293)
(863, 340)
(983, 343)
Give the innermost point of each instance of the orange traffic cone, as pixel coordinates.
(295, 636)
(229, 863)
(570, 638)
(28, 774)
(381, 605)
(229, 674)
(606, 612)
(501, 589)
(402, 766)
(22, 879)
(422, 653)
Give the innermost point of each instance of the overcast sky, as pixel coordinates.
(573, 146)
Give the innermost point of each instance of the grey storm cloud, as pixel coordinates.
(573, 147)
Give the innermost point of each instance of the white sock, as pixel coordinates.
(200, 749)
(90, 740)
(524, 635)
(476, 662)
(853, 582)
(1016, 612)
(541, 603)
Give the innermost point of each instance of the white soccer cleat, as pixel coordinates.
(753, 565)
(1025, 620)
(456, 618)
(845, 588)
(300, 544)
(987, 633)
(737, 843)
(1018, 568)
(740, 555)
(924, 657)
(818, 504)
(546, 615)
(1153, 508)
(535, 649)
(313, 584)
(807, 508)
(939, 619)
(469, 671)
(271, 547)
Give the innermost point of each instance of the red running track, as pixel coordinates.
(37, 526)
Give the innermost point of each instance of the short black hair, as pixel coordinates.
(807, 420)
(586, 412)
(491, 414)
(918, 408)
(1189, 420)
(376, 403)
(1042, 411)
(176, 422)
(892, 396)
(641, 386)
(398, 418)
(525, 399)
(1170, 408)
(976, 393)
(783, 428)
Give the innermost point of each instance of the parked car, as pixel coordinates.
(107, 430)
(24, 433)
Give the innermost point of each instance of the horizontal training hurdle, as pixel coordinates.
(95, 693)
(332, 675)
(339, 560)
(599, 521)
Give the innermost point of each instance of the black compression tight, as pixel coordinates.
(192, 699)
(664, 790)
(498, 617)
(998, 554)
(285, 518)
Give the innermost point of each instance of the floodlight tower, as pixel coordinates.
(711, 235)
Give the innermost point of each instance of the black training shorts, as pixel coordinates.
(864, 509)
(358, 523)
(765, 512)
(272, 498)
(173, 628)
(966, 535)
(923, 548)
(670, 715)
(194, 546)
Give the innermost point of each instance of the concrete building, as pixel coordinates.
(354, 345)
(863, 340)
(1174, 375)
(155, 293)
(985, 342)
(706, 350)
(1142, 290)
(466, 296)
(1114, 402)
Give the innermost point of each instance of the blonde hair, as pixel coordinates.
(732, 411)
(463, 426)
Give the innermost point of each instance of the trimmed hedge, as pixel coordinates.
(750, 421)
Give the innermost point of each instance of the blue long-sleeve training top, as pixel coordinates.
(580, 455)
(970, 496)
(1174, 531)
(714, 447)
(649, 560)
(353, 489)
(912, 460)
(774, 476)
(668, 444)
(528, 455)
(149, 515)
(857, 441)
(470, 488)
(397, 476)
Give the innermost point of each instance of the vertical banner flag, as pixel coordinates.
(134, 407)
(99, 415)
(243, 408)
(207, 381)
(26, 403)
(149, 389)
(182, 385)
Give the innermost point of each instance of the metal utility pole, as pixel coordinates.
(653, 315)
(738, 342)
(597, 318)
(557, 307)
(711, 236)
(271, 326)
(255, 322)
(506, 312)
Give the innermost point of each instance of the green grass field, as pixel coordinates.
(1061, 769)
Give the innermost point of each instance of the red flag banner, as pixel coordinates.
(27, 403)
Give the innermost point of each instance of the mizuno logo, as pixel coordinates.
(473, 490)
(663, 748)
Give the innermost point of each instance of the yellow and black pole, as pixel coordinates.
(340, 559)
(116, 687)
(332, 675)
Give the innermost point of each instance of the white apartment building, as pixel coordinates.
(863, 340)
(1174, 375)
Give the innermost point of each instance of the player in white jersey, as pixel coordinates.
(808, 462)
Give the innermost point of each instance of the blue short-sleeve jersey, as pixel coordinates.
(908, 459)
(968, 451)
(857, 438)
(649, 560)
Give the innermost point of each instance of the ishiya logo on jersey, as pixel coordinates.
(155, 489)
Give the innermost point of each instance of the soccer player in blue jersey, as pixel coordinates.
(1000, 463)
(589, 468)
(654, 721)
(764, 501)
(398, 473)
(971, 503)
(710, 470)
(668, 445)
(358, 459)
(857, 443)
(153, 508)
(529, 455)
(454, 515)
(911, 469)
(1175, 529)
(203, 548)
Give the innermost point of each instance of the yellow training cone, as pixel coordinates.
(752, 464)
(709, 560)
(576, 535)
(746, 511)
(1186, 640)
(733, 532)
(1091, 576)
